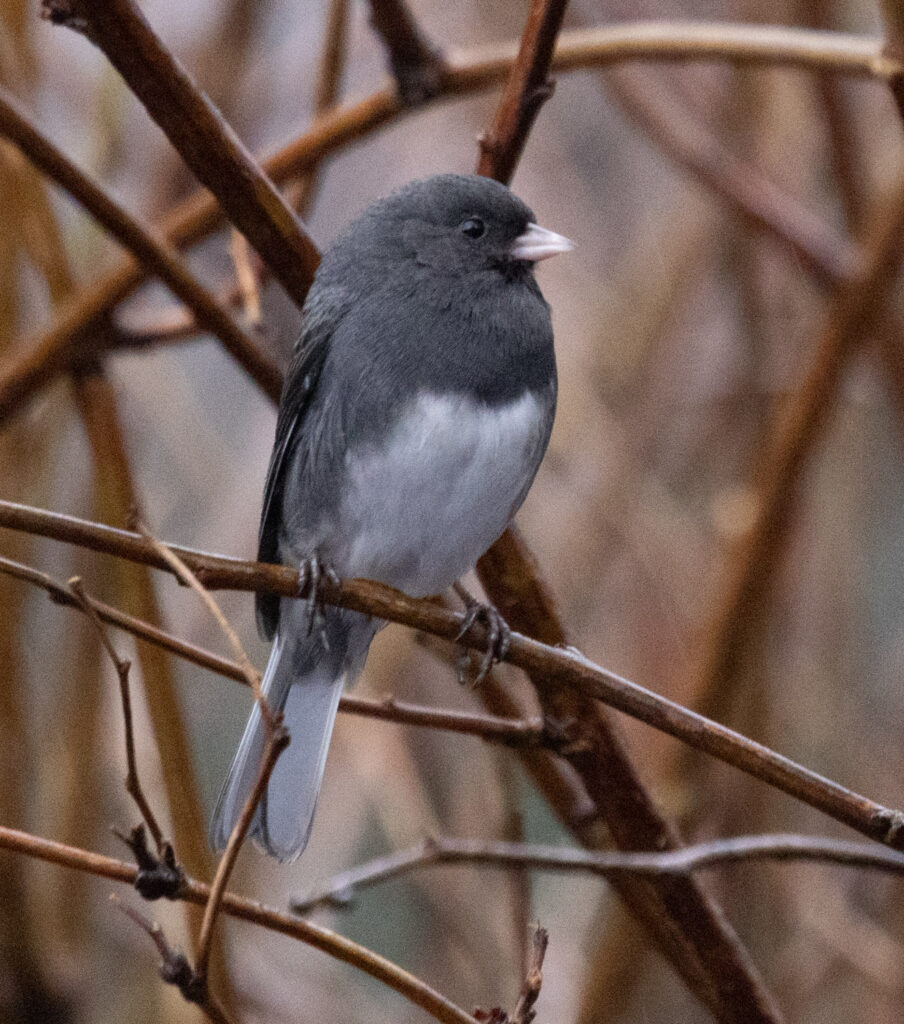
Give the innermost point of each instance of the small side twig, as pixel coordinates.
(527, 88)
(174, 966)
(122, 666)
(277, 741)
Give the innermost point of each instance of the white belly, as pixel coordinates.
(423, 508)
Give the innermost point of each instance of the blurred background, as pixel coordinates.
(681, 332)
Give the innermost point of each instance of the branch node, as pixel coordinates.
(159, 877)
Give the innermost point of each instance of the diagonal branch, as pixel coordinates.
(244, 909)
(559, 674)
(156, 256)
(527, 88)
(200, 134)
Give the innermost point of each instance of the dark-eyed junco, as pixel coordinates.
(415, 413)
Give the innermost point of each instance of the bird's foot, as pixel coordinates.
(312, 573)
(498, 636)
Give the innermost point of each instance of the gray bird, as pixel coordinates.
(414, 416)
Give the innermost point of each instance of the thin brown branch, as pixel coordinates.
(416, 64)
(174, 966)
(200, 134)
(893, 16)
(177, 566)
(122, 666)
(510, 732)
(156, 256)
(277, 741)
(247, 283)
(326, 94)
(75, 331)
(553, 670)
(383, 970)
(524, 1011)
(342, 889)
(527, 88)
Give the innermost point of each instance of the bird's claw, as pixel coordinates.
(311, 575)
(498, 637)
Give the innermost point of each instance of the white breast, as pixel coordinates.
(420, 509)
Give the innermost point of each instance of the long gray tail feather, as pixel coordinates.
(304, 680)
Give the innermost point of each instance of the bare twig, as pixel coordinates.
(326, 93)
(197, 130)
(75, 329)
(524, 1011)
(383, 970)
(527, 88)
(552, 669)
(122, 666)
(246, 278)
(174, 966)
(341, 890)
(277, 741)
(156, 255)
(416, 64)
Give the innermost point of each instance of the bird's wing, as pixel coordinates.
(321, 318)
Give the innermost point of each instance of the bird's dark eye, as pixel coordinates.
(474, 227)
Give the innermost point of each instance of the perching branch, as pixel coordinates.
(198, 131)
(552, 669)
(510, 732)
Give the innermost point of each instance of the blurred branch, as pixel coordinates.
(342, 889)
(407, 985)
(510, 732)
(527, 88)
(417, 65)
(555, 671)
(155, 255)
(75, 329)
(752, 194)
(788, 441)
(122, 666)
(198, 131)
(893, 16)
(326, 93)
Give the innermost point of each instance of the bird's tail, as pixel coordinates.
(303, 679)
